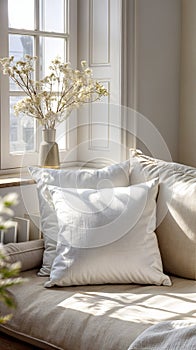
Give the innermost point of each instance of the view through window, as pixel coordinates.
(39, 31)
(38, 28)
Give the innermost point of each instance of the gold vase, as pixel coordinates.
(49, 151)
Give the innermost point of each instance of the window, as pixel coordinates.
(35, 27)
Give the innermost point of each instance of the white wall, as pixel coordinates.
(28, 200)
(187, 136)
(158, 42)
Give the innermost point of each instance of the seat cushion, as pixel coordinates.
(108, 316)
(176, 211)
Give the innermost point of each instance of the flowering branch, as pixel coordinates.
(8, 278)
(52, 99)
(8, 272)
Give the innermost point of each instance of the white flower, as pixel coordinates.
(57, 94)
(6, 202)
(11, 199)
(15, 266)
(5, 224)
(5, 210)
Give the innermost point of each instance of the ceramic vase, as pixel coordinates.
(49, 151)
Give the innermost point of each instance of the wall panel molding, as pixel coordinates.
(99, 128)
(99, 36)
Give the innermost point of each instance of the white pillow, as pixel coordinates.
(110, 176)
(107, 236)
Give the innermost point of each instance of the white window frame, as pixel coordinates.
(10, 160)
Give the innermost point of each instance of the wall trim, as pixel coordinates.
(131, 67)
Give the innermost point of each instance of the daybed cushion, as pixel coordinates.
(107, 236)
(111, 176)
(29, 254)
(176, 211)
(102, 317)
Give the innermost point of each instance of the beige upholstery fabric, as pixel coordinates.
(176, 211)
(29, 253)
(104, 317)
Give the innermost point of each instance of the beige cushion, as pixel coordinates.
(101, 317)
(29, 253)
(176, 211)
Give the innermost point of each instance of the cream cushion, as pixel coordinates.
(111, 176)
(176, 211)
(107, 236)
(29, 254)
(98, 317)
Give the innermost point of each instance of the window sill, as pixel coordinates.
(15, 181)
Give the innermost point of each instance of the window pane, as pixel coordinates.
(19, 46)
(51, 48)
(22, 130)
(52, 17)
(21, 14)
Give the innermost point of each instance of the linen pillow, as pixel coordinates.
(176, 210)
(107, 236)
(110, 176)
(29, 253)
